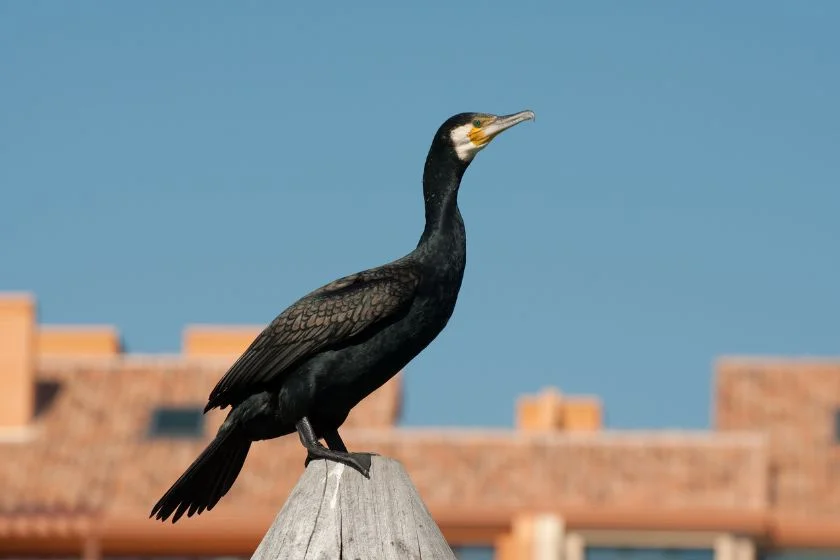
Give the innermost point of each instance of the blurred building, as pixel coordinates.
(91, 437)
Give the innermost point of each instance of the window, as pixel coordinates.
(837, 426)
(177, 422)
(474, 552)
(797, 554)
(45, 394)
(617, 553)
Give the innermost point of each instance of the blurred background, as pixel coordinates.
(641, 360)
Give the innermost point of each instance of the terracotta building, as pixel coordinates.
(90, 437)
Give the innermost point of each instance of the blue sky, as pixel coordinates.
(166, 163)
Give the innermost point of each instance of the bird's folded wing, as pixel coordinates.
(326, 318)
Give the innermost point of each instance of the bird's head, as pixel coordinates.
(469, 133)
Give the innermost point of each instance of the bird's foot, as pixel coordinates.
(359, 461)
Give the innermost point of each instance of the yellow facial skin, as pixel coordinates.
(477, 134)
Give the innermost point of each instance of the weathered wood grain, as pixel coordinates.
(334, 513)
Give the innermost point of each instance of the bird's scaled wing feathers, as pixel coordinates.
(323, 319)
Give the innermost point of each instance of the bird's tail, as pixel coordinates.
(208, 478)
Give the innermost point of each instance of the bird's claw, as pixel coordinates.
(358, 461)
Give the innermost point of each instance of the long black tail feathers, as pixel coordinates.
(207, 479)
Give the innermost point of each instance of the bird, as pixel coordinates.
(333, 347)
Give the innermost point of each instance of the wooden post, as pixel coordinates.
(333, 512)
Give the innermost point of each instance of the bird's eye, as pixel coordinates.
(477, 123)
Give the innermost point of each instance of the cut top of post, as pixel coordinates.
(334, 512)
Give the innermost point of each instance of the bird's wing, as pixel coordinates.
(324, 319)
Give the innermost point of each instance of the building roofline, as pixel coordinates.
(220, 534)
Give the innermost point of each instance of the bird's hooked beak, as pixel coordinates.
(484, 130)
(500, 124)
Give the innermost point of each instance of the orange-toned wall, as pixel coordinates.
(793, 402)
(549, 410)
(212, 340)
(17, 336)
(77, 341)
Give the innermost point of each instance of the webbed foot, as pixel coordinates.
(359, 461)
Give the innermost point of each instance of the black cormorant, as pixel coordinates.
(329, 350)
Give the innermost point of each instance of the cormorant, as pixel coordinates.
(329, 350)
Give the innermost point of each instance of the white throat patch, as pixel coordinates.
(464, 147)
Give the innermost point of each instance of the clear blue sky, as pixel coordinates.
(166, 163)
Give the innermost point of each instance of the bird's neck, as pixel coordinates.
(441, 181)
